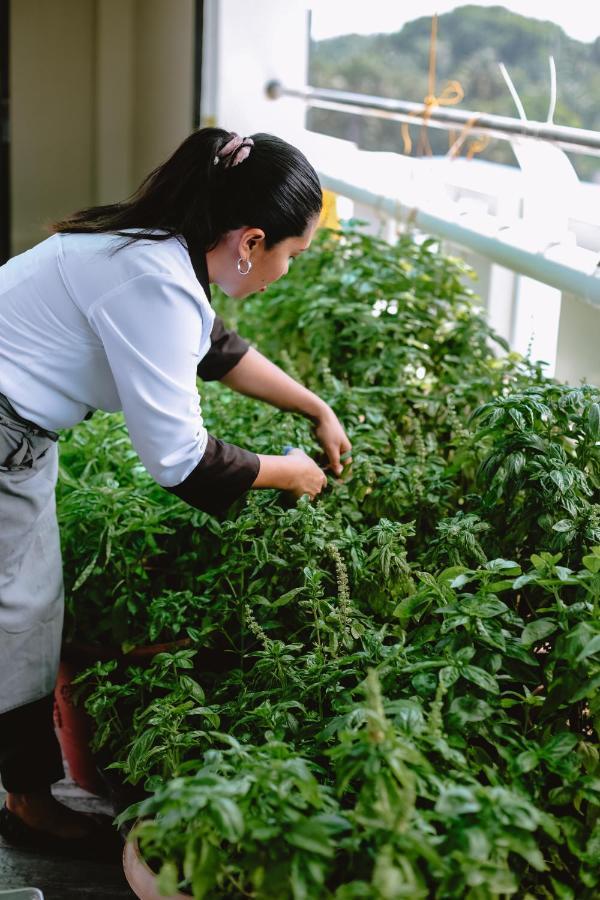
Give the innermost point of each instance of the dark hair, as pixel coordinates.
(275, 189)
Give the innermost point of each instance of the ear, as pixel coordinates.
(250, 239)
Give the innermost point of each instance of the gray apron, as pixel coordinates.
(31, 583)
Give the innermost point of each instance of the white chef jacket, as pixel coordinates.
(81, 329)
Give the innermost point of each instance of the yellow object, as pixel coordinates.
(453, 93)
(478, 145)
(329, 214)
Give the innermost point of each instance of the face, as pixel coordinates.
(267, 265)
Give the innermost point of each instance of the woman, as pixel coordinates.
(113, 312)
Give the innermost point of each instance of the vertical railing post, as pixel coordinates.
(577, 355)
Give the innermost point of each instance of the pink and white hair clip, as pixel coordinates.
(235, 151)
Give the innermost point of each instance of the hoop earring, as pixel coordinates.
(239, 265)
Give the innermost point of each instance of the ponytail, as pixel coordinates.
(272, 187)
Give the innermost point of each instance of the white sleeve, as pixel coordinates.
(154, 332)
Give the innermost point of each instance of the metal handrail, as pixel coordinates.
(576, 140)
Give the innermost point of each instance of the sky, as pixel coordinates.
(579, 18)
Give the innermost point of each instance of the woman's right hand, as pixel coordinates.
(295, 472)
(307, 477)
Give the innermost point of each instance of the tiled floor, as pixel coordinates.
(64, 879)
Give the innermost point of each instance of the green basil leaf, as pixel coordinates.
(481, 678)
(538, 631)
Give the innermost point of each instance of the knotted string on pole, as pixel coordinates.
(452, 94)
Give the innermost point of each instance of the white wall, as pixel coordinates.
(246, 45)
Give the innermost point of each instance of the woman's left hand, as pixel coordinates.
(333, 439)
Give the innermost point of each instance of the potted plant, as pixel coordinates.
(250, 819)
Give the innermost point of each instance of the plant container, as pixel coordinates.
(74, 730)
(140, 877)
(74, 727)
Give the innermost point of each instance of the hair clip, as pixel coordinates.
(235, 151)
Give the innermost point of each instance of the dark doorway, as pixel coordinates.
(4, 133)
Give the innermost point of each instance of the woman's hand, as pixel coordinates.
(255, 376)
(295, 472)
(333, 439)
(306, 476)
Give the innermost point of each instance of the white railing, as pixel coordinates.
(530, 234)
(566, 267)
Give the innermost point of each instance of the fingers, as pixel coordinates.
(319, 483)
(340, 456)
(346, 452)
(319, 489)
(337, 449)
(322, 483)
(340, 452)
(345, 446)
(333, 454)
(310, 478)
(334, 441)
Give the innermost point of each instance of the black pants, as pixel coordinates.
(30, 757)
